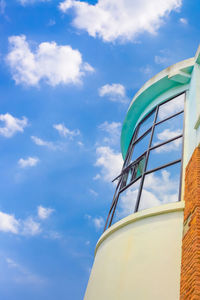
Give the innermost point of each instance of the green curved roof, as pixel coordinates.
(174, 76)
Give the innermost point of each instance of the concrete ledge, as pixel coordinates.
(163, 209)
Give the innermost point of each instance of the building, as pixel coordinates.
(150, 249)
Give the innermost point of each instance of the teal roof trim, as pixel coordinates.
(152, 89)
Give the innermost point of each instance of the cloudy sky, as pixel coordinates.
(68, 72)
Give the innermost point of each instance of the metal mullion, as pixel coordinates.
(163, 166)
(114, 208)
(133, 139)
(128, 155)
(171, 98)
(147, 157)
(132, 182)
(166, 142)
(130, 166)
(130, 150)
(168, 118)
(142, 136)
(116, 191)
(112, 204)
(106, 222)
(180, 186)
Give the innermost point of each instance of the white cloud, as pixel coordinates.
(53, 235)
(8, 223)
(159, 188)
(2, 7)
(171, 107)
(161, 60)
(44, 212)
(80, 144)
(30, 227)
(127, 202)
(26, 2)
(116, 92)
(183, 21)
(98, 222)
(43, 143)
(110, 163)
(147, 70)
(96, 177)
(12, 125)
(50, 62)
(92, 192)
(51, 22)
(122, 19)
(64, 131)
(23, 275)
(113, 130)
(162, 185)
(166, 135)
(29, 162)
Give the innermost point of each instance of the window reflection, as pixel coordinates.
(146, 124)
(165, 154)
(171, 107)
(126, 202)
(138, 182)
(140, 147)
(168, 130)
(160, 187)
(134, 172)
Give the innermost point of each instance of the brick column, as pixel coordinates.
(190, 266)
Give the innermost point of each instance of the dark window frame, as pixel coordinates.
(128, 165)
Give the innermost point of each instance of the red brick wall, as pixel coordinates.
(190, 267)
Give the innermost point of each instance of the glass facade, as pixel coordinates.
(152, 168)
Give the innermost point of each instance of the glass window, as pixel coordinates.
(133, 172)
(140, 147)
(146, 124)
(171, 107)
(165, 154)
(126, 202)
(161, 187)
(140, 167)
(139, 182)
(126, 179)
(168, 130)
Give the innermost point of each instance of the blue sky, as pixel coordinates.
(68, 72)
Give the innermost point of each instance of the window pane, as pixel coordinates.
(140, 167)
(126, 179)
(161, 187)
(171, 107)
(133, 172)
(140, 147)
(168, 130)
(146, 124)
(165, 154)
(126, 202)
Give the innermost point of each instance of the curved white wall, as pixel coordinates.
(140, 257)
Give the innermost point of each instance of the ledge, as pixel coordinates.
(159, 210)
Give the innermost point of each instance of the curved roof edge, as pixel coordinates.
(174, 76)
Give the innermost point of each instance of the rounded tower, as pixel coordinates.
(150, 248)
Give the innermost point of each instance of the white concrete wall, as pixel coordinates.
(141, 260)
